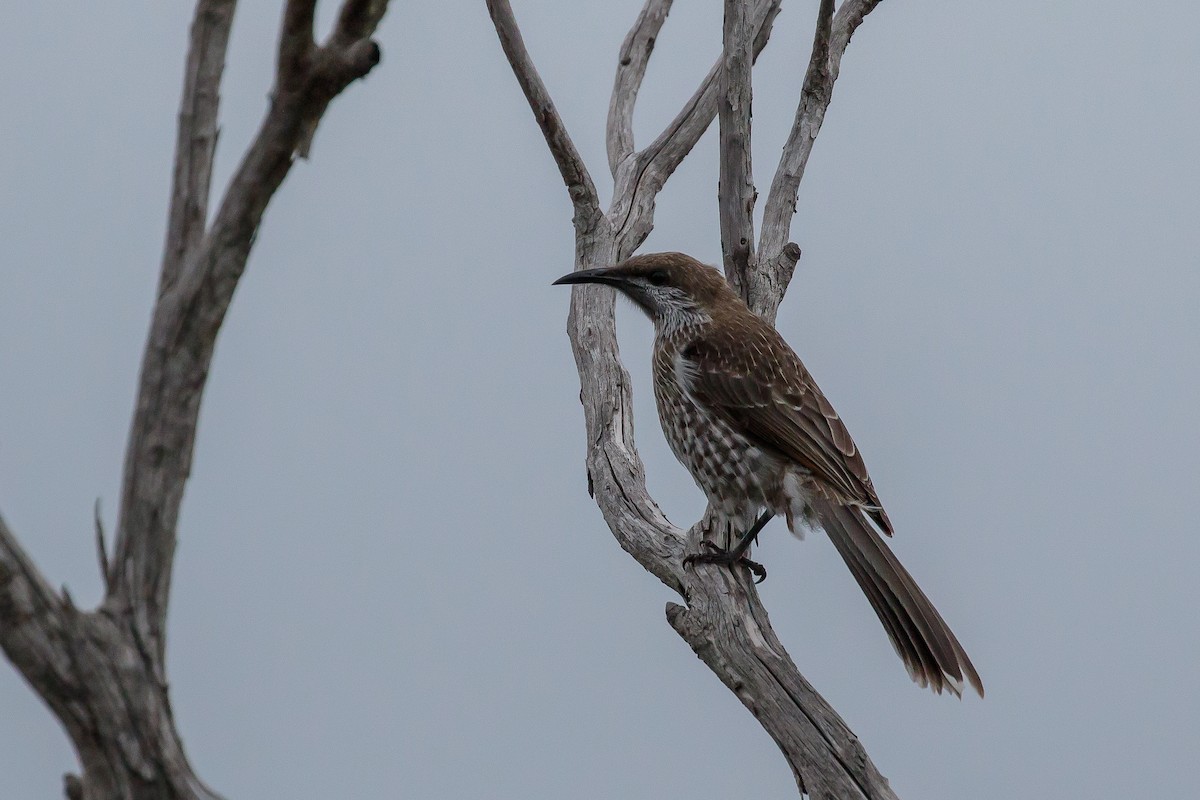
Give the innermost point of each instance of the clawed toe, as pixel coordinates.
(756, 569)
(718, 555)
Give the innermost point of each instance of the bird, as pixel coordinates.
(742, 413)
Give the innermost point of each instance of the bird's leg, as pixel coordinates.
(751, 536)
(737, 553)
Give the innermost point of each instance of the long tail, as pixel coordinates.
(921, 637)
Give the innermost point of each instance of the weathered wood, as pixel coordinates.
(570, 164)
(723, 621)
(196, 137)
(735, 186)
(830, 40)
(102, 672)
(631, 69)
(642, 175)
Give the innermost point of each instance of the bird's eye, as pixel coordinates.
(658, 277)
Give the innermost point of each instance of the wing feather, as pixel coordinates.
(759, 385)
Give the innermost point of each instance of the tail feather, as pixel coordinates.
(907, 641)
(921, 637)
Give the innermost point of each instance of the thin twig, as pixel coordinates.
(631, 69)
(101, 546)
(849, 16)
(358, 20)
(830, 40)
(810, 112)
(196, 139)
(570, 164)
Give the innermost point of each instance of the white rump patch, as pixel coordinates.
(800, 517)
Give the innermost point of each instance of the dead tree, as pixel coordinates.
(102, 672)
(723, 620)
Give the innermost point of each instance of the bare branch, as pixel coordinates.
(347, 55)
(29, 617)
(196, 140)
(357, 20)
(681, 135)
(570, 164)
(22, 587)
(104, 688)
(810, 112)
(829, 43)
(631, 69)
(849, 17)
(615, 469)
(295, 43)
(191, 309)
(771, 280)
(616, 475)
(726, 625)
(99, 683)
(736, 185)
(640, 179)
(103, 672)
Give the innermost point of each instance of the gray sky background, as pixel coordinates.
(391, 581)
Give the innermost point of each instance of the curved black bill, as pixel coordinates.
(603, 275)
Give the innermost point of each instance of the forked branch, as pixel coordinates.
(201, 269)
(103, 672)
(723, 621)
(631, 69)
(642, 177)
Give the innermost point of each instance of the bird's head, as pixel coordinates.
(669, 287)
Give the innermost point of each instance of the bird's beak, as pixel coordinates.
(603, 275)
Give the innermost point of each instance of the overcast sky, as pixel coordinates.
(391, 582)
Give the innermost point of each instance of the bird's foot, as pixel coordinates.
(729, 558)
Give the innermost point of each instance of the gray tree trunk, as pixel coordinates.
(723, 618)
(102, 672)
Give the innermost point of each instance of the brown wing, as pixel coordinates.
(749, 375)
